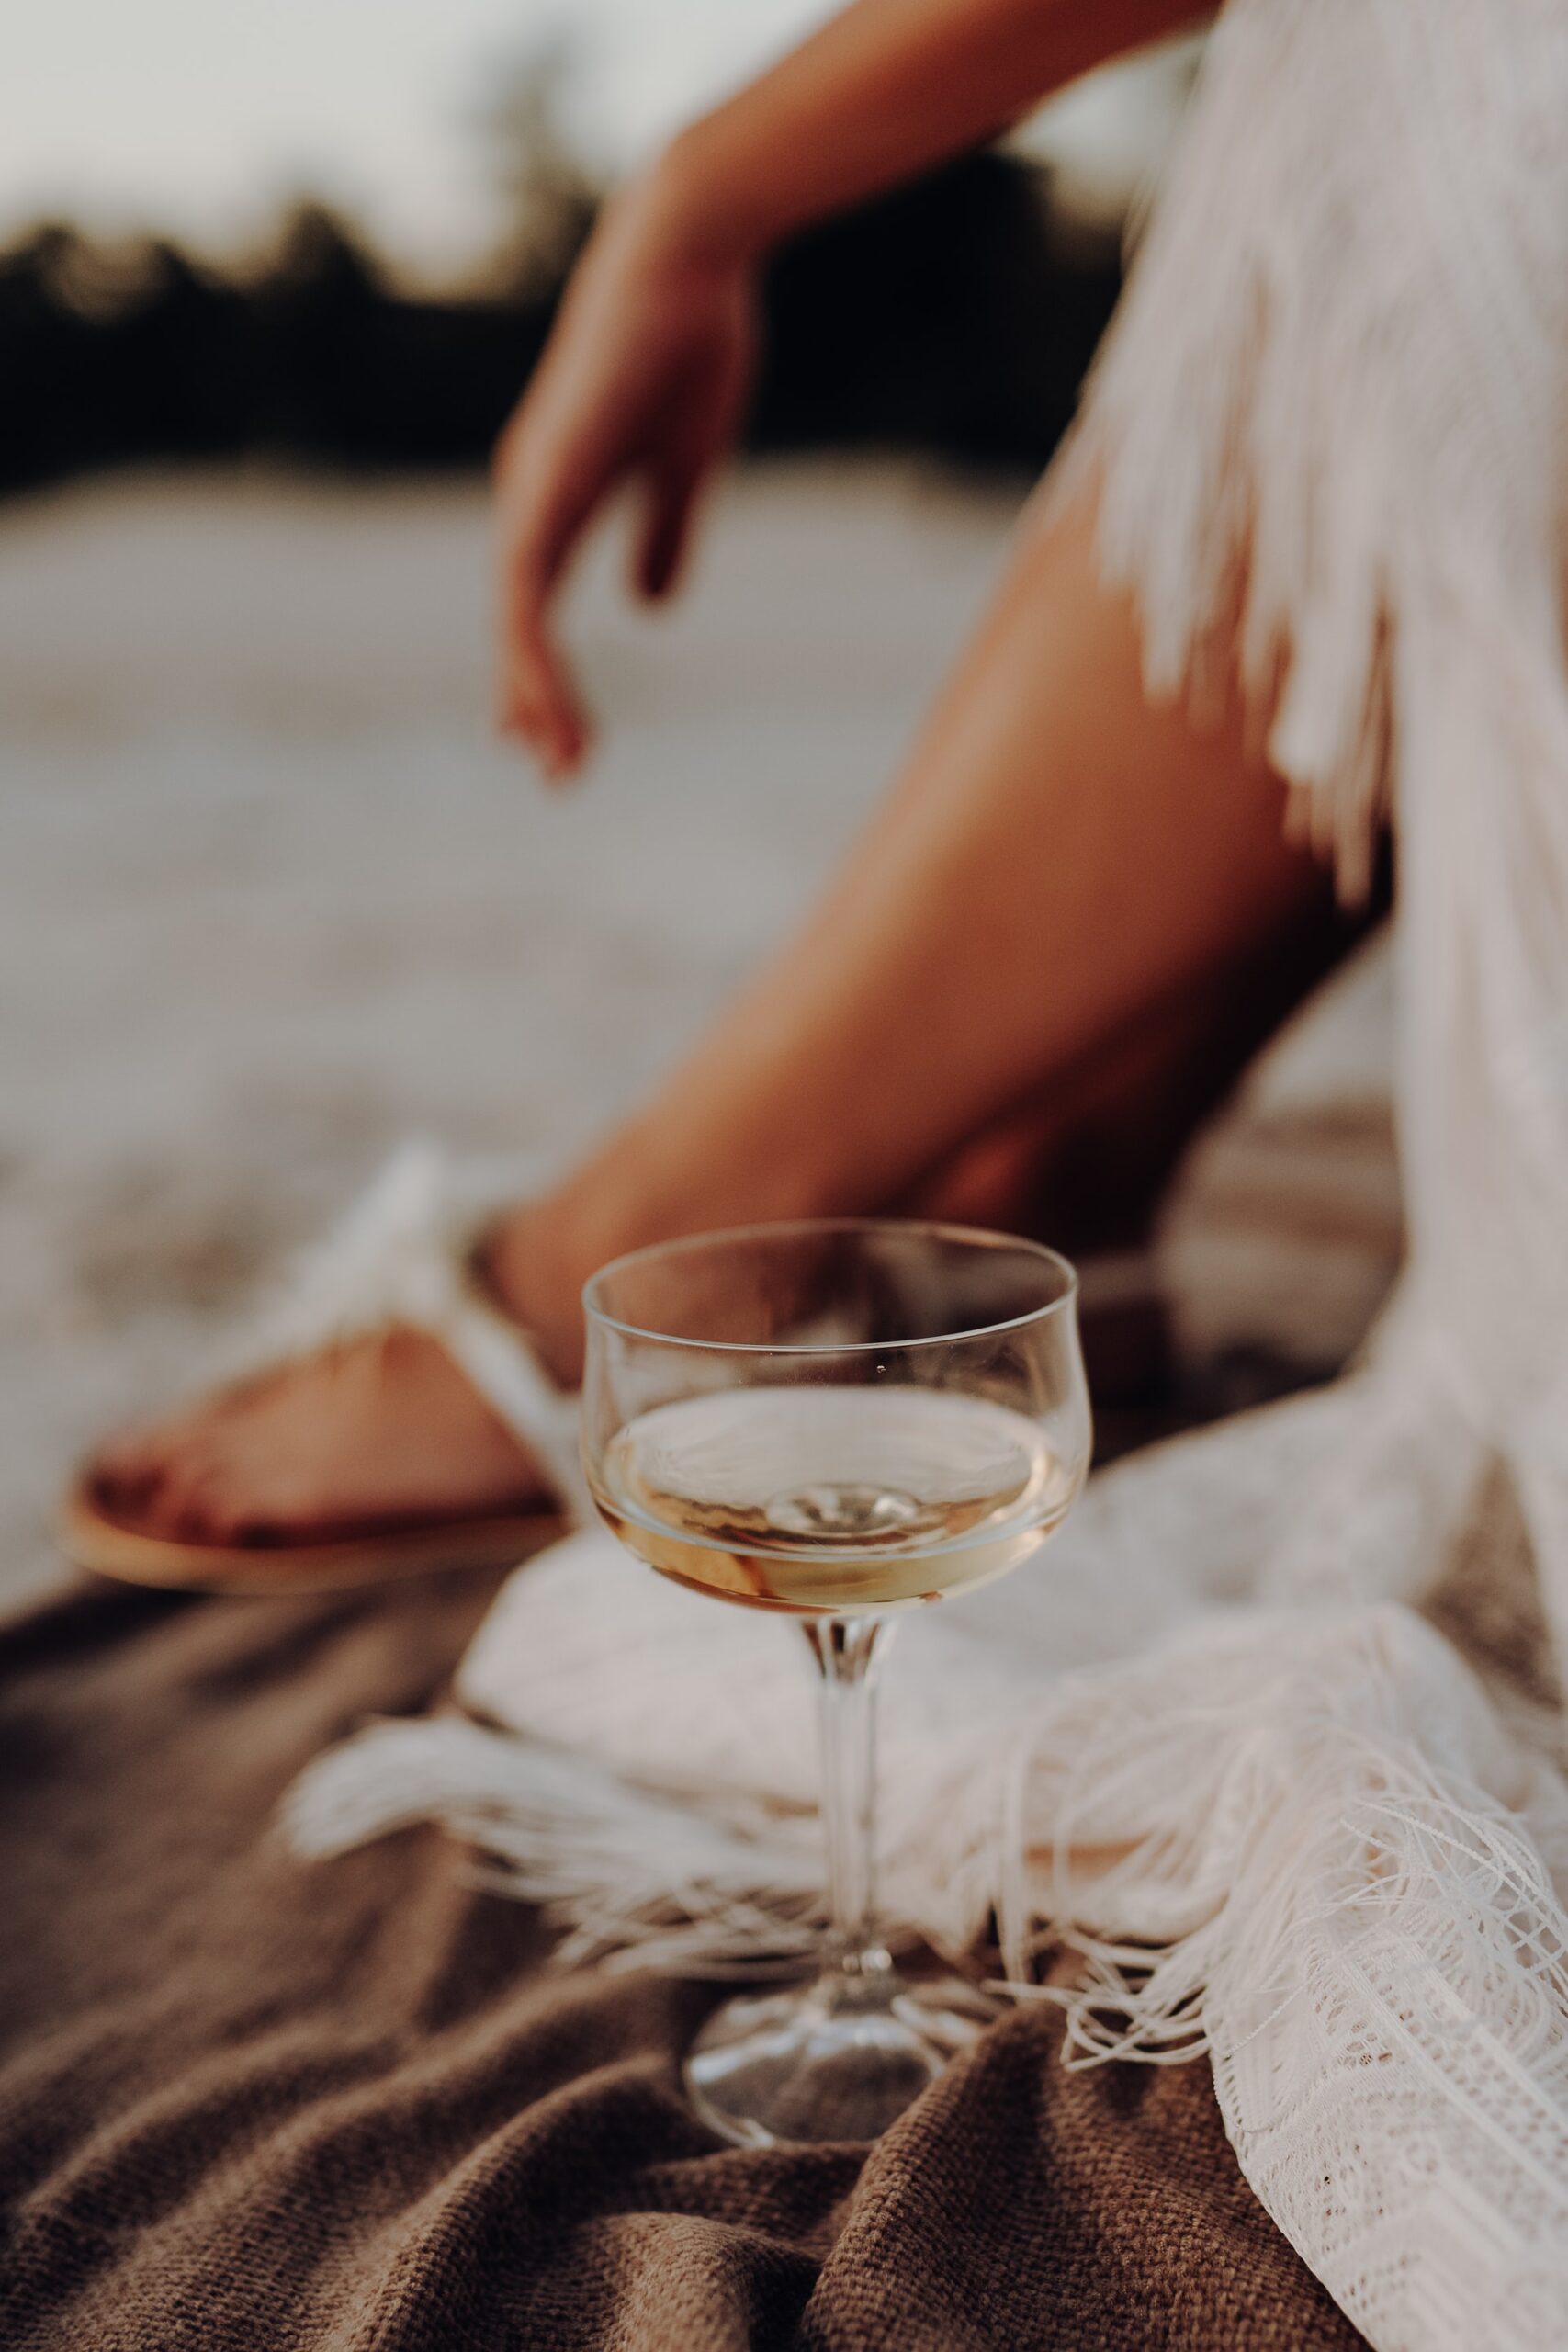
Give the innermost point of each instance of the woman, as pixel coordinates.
(1006, 931)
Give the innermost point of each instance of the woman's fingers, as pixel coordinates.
(539, 529)
(664, 539)
(538, 701)
(538, 697)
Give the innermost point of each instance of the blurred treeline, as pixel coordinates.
(946, 318)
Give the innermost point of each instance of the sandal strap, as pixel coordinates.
(403, 1254)
(500, 1361)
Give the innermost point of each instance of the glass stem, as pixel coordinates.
(845, 1650)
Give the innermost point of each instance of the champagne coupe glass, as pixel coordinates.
(835, 1420)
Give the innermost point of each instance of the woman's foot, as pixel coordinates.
(388, 1432)
(380, 1433)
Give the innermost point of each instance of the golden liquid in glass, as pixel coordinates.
(832, 1501)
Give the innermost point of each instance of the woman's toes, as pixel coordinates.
(212, 1512)
(130, 1469)
(127, 1479)
(221, 1503)
(176, 1505)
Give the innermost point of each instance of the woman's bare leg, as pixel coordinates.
(1058, 861)
(1058, 864)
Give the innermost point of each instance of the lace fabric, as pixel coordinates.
(1335, 401)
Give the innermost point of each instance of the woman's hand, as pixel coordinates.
(644, 374)
(643, 380)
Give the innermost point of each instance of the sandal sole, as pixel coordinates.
(106, 1548)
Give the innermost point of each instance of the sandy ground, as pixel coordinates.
(271, 898)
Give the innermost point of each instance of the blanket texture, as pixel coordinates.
(247, 2103)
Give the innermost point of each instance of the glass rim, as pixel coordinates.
(933, 1228)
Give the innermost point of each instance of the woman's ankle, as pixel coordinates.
(534, 1260)
(529, 1264)
(668, 1173)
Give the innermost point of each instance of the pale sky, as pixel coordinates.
(201, 115)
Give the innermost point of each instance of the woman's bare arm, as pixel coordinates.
(647, 372)
(882, 91)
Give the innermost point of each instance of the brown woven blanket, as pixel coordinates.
(247, 2104)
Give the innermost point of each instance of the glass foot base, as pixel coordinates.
(836, 2061)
